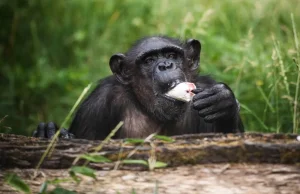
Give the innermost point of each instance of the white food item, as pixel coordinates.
(182, 92)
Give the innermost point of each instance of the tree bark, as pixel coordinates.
(25, 152)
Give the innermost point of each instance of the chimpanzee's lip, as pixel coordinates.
(172, 99)
(174, 83)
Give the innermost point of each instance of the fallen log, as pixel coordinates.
(25, 152)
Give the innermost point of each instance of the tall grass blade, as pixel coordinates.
(295, 120)
(55, 137)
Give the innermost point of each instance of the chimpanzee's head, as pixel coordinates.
(152, 67)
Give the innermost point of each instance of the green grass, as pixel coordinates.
(55, 48)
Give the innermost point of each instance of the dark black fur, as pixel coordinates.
(135, 95)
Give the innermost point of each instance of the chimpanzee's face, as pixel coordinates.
(161, 65)
(154, 66)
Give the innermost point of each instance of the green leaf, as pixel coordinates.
(74, 177)
(95, 158)
(164, 138)
(84, 171)
(59, 190)
(143, 162)
(16, 182)
(43, 188)
(63, 180)
(134, 140)
(159, 164)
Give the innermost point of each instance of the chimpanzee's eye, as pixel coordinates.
(171, 55)
(149, 60)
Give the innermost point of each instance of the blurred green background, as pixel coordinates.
(51, 49)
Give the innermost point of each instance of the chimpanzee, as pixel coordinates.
(135, 94)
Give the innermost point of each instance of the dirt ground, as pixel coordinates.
(201, 179)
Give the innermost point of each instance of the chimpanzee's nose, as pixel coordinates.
(164, 66)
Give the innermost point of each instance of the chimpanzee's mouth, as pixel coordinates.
(174, 83)
(171, 85)
(181, 91)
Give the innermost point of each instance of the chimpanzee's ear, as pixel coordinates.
(193, 49)
(119, 69)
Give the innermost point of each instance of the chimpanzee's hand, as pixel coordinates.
(215, 103)
(48, 130)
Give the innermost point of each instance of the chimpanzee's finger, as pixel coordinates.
(203, 103)
(214, 108)
(64, 133)
(50, 129)
(197, 90)
(204, 94)
(220, 87)
(40, 131)
(215, 116)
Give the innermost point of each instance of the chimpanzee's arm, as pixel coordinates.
(93, 119)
